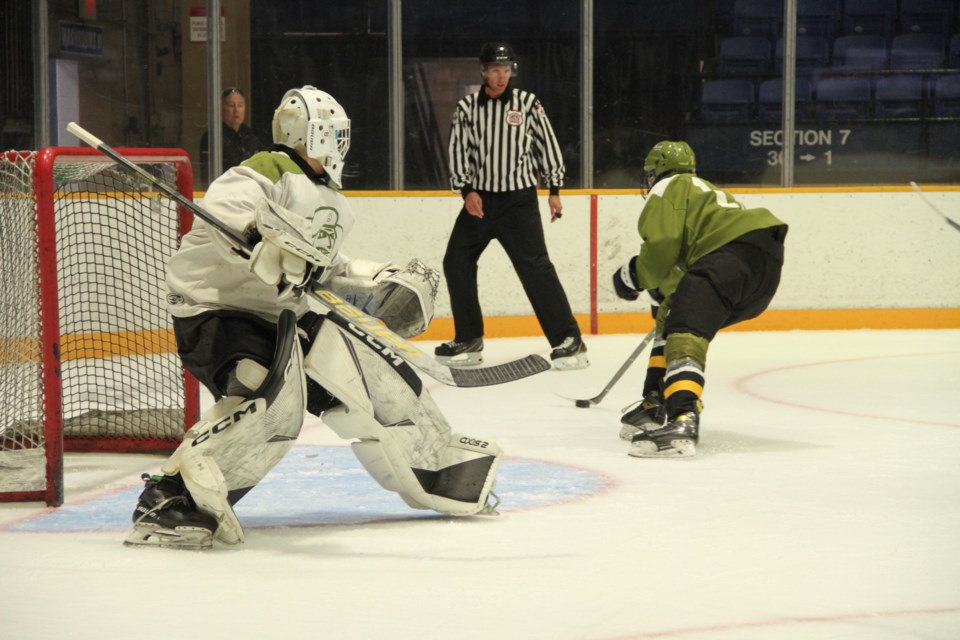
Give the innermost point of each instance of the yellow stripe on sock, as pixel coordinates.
(683, 385)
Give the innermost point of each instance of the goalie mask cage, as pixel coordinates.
(88, 360)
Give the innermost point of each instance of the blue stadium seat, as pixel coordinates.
(722, 100)
(860, 52)
(843, 98)
(744, 54)
(869, 17)
(898, 97)
(813, 52)
(953, 52)
(758, 18)
(946, 97)
(926, 16)
(770, 99)
(818, 18)
(917, 51)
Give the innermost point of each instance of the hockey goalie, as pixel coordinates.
(247, 332)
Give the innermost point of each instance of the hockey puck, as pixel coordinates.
(583, 404)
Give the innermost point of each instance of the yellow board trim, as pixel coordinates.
(770, 320)
(92, 345)
(160, 341)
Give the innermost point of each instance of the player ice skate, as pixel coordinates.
(263, 349)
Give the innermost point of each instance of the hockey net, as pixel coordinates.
(87, 356)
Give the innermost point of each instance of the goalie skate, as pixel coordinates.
(191, 539)
(166, 517)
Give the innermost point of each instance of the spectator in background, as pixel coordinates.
(239, 142)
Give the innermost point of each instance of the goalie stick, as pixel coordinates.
(341, 312)
(588, 402)
(950, 221)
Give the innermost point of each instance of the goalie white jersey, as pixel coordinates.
(207, 273)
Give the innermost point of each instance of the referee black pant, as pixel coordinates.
(513, 219)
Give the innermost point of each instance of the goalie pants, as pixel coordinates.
(210, 344)
(513, 219)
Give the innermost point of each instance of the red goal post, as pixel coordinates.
(88, 360)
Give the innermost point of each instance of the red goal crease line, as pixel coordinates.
(144, 342)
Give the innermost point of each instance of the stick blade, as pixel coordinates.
(501, 373)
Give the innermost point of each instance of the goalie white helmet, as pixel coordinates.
(313, 121)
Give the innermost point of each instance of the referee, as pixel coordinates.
(501, 143)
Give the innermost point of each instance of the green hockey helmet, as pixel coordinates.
(667, 158)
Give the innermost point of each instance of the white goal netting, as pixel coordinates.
(87, 354)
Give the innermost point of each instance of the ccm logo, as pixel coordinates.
(388, 354)
(482, 444)
(299, 250)
(225, 423)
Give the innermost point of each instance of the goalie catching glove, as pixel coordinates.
(402, 298)
(291, 250)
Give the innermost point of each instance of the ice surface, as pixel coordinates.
(824, 502)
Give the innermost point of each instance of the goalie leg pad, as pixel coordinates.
(208, 488)
(466, 470)
(404, 441)
(457, 480)
(239, 440)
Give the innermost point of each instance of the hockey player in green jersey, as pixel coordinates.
(708, 262)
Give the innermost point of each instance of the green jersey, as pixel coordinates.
(684, 219)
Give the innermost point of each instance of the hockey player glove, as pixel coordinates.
(625, 281)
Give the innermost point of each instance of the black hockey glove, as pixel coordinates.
(625, 281)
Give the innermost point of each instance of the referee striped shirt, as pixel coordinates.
(503, 144)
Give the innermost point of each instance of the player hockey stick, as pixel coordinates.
(588, 402)
(950, 221)
(341, 312)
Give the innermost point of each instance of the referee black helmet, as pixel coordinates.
(498, 53)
